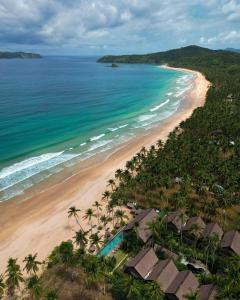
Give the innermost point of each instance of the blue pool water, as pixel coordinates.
(108, 248)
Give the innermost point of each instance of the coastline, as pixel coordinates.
(40, 223)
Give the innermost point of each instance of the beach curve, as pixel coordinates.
(38, 224)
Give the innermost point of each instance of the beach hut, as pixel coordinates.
(142, 264)
(141, 224)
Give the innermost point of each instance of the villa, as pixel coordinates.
(146, 266)
(175, 221)
(194, 223)
(141, 224)
(231, 242)
(183, 284)
(213, 229)
(142, 264)
(164, 272)
(207, 292)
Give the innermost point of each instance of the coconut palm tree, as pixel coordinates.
(2, 285)
(73, 212)
(104, 220)
(34, 287)
(120, 215)
(98, 207)
(52, 295)
(106, 195)
(95, 240)
(31, 264)
(89, 214)
(111, 183)
(80, 239)
(14, 276)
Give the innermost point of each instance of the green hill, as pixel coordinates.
(23, 55)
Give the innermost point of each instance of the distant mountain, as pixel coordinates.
(194, 56)
(233, 50)
(22, 55)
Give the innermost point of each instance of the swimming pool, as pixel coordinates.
(108, 248)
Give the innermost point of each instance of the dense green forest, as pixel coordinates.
(9, 55)
(203, 154)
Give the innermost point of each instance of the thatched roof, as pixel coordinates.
(175, 220)
(142, 264)
(184, 283)
(141, 222)
(207, 292)
(164, 272)
(195, 221)
(231, 241)
(211, 229)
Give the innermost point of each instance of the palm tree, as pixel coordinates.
(104, 220)
(98, 207)
(106, 195)
(2, 285)
(95, 240)
(111, 183)
(34, 287)
(31, 264)
(153, 291)
(51, 296)
(73, 212)
(14, 276)
(191, 296)
(89, 214)
(120, 215)
(80, 239)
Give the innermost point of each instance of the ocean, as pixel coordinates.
(58, 111)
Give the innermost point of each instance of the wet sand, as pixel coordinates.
(39, 223)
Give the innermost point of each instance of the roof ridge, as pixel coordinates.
(182, 279)
(145, 250)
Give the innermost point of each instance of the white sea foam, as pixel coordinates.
(21, 171)
(169, 94)
(95, 138)
(160, 105)
(145, 117)
(99, 145)
(117, 128)
(83, 144)
(27, 163)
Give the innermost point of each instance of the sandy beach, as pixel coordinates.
(39, 223)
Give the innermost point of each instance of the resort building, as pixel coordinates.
(183, 284)
(207, 292)
(142, 264)
(213, 229)
(194, 226)
(164, 272)
(141, 224)
(231, 242)
(176, 285)
(175, 221)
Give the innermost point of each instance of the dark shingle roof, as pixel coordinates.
(195, 220)
(211, 229)
(164, 272)
(141, 222)
(176, 219)
(207, 292)
(183, 284)
(143, 262)
(231, 240)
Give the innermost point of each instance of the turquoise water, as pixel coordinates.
(58, 111)
(111, 245)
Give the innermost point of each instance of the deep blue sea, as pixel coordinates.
(57, 111)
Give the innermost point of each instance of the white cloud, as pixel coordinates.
(122, 23)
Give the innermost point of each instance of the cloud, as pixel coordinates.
(221, 38)
(122, 25)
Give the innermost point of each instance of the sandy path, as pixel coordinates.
(40, 223)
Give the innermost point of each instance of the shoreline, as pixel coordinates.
(41, 222)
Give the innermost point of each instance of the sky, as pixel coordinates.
(77, 27)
